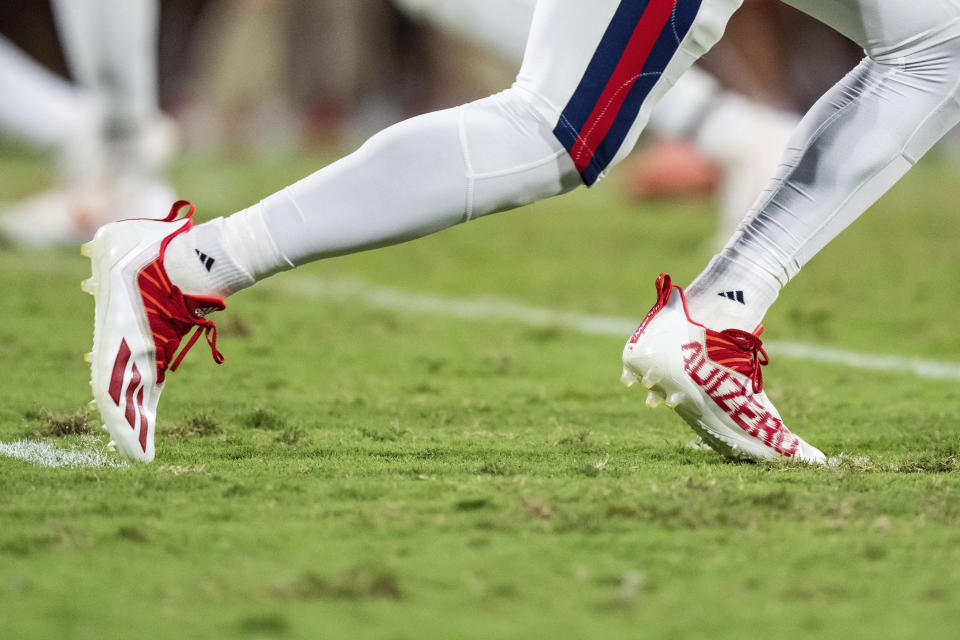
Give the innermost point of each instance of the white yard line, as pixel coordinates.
(49, 455)
(491, 308)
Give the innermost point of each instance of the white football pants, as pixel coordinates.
(862, 136)
(502, 27)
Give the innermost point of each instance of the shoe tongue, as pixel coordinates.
(724, 351)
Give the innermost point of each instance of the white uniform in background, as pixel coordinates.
(107, 127)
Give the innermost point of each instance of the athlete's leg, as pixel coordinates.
(590, 76)
(704, 356)
(37, 105)
(852, 146)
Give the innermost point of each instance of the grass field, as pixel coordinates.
(355, 471)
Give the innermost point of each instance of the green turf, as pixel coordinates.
(354, 473)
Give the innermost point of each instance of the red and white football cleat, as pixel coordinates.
(712, 379)
(140, 319)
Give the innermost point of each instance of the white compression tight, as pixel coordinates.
(414, 178)
(856, 142)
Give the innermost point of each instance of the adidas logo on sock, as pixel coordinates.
(207, 261)
(736, 296)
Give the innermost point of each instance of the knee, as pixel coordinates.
(511, 154)
(507, 123)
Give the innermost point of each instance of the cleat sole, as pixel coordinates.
(651, 378)
(654, 399)
(676, 399)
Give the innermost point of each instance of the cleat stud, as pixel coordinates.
(676, 399)
(111, 446)
(651, 378)
(104, 427)
(84, 251)
(88, 357)
(654, 399)
(91, 405)
(89, 286)
(628, 378)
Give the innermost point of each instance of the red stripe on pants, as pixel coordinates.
(625, 74)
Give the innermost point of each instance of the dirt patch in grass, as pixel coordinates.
(495, 467)
(197, 426)
(59, 425)
(394, 433)
(472, 504)
(133, 534)
(354, 584)
(266, 624)
(290, 435)
(946, 463)
(261, 418)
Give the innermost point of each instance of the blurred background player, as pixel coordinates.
(106, 127)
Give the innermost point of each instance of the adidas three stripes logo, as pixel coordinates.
(736, 296)
(206, 260)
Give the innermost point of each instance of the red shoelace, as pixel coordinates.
(750, 343)
(173, 314)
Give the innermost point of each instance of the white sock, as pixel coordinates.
(202, 261)
(731, 295)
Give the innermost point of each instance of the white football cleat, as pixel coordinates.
(140, 319)
(712, 379)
